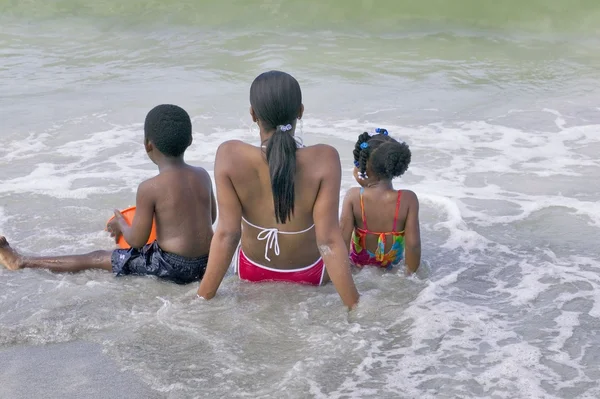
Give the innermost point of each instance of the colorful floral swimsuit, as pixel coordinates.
(361, 256)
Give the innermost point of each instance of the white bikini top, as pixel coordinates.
(270, 236)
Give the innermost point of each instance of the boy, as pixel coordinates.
(180, 199)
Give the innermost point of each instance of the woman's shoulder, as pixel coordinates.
(323, 149)
(234, 156)
(321, 161)
(238, 148)
(322, 153)
(230, 145)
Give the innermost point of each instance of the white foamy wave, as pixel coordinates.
(507, 308)
(2, 219)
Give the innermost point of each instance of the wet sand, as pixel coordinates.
(65, 371)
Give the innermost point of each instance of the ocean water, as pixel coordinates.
(499, 102)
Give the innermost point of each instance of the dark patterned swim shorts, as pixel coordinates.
(153, 261)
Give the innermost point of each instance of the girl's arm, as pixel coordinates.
(347, 220)
(327, 227)
(229, 227)
(412, 233)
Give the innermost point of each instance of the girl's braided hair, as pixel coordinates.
(389, 158)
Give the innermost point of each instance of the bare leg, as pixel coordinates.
(63, 264)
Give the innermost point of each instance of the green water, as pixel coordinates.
(549, 16)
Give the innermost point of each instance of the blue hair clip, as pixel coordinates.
(379, 130)
(356, 164)
(364, 145)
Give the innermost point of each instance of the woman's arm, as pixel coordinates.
(412, 233)
(327, 227)
(229, 227)
(213, 206)
(347, 220)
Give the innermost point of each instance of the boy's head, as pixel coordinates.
(379, 157)
(169, 129)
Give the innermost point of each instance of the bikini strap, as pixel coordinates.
(397, 209)
(362, 209)
(270, 236)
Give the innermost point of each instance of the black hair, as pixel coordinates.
(169, 128)
(276, 99)
(388, 157)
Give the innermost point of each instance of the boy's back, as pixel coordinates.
(179, 199)
(184, 209)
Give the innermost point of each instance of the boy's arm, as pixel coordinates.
(138, 233)
(412, 234)
(347, 219)
(229, 228)
(327, 228)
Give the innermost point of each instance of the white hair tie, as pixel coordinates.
(285, 128)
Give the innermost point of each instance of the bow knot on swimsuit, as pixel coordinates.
(272, 242)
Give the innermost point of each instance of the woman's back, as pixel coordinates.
(249, 174)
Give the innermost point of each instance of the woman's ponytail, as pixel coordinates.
(276, 101)
(281, 157)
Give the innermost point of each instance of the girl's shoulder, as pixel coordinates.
(409, 195)
(353, 192)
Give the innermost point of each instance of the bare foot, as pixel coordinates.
(8, 256)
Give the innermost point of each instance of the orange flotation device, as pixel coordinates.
(128, 215)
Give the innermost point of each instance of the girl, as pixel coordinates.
(392, 232)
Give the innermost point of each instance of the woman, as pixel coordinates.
(285, 196)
